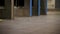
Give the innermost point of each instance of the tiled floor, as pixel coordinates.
(44, 24)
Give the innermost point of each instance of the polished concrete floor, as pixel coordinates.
(44, 24)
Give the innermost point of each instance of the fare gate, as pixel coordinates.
(34, 8)
(39, 8)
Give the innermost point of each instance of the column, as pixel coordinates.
(9, 5)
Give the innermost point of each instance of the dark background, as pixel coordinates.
(2, 2)
(19, 2)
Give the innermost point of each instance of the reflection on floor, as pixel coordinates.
(53, 13)
(49, 24)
